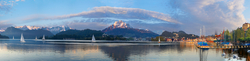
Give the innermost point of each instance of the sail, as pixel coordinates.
(93, 38)
(22, 38)
(43, 37)
(159, 39)
(13, 37)
(36, 38)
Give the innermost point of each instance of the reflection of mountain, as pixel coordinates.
(122, 53)
(48, 47)
(28, 34)
(121, 28)
(119, 53)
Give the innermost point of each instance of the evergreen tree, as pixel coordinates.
(238, 33)
(227, 35)
(248, 33)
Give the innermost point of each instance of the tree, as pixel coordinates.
(227, 35)
(247, 39)
(248, 33)
(239, 32)
(241, 39)
(157, 38)
(232, 35)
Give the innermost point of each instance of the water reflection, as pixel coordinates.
(122, 53)
(235, 54)
(33, 51)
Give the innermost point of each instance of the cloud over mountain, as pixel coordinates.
(186, 15)
(114, 12)
(4, 24)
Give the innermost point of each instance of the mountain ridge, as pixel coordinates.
(121, 28)
(28, 34)
(54, 30)
(179, 34)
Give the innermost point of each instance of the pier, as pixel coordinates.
(225, 47)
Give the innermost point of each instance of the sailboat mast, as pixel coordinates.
(43, 37)
(200, 32)
(22, 38)
(93, 38)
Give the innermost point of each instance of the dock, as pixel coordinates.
(224, 47)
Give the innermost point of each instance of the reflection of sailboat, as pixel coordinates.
(223, 54)
(248, 51)
(159, 40)
(203, 54)
(43, 37)
(36, 38)
(93, 38)
(22, 38)
(235, 56)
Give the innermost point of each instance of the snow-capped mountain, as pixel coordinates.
(27, 27)
(53, 30)
(2, 30)
(121, 28)
(56, 29)
(117, 24)
(120, 24)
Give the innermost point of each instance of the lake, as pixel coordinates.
(32, 50)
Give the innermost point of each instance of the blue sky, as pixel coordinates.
(159, 15)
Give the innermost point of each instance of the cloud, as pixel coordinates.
(118, 13)
(213, 14)
(87, 25)
(6, 6)
(185, 15)
(4, 24)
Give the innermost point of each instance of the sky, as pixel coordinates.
(157, 15)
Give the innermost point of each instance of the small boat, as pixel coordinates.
(13, 37)
(93, 38)
(248, 51)
(202, 43)
(235, 56)
(223, 54)
(43, 37)
(22, 38)
(159, 40)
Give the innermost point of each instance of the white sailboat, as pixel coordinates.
(43, 37)
(36, 38)
(93, 38)
(13, 37)
(159, 40)
(22, 38)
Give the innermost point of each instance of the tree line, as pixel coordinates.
(238, 35)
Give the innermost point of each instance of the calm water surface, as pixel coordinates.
(31, 50)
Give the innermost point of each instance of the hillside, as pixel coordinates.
(28, 34)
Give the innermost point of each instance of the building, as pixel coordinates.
(245, 26)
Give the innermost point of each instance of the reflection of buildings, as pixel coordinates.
(187, 45)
